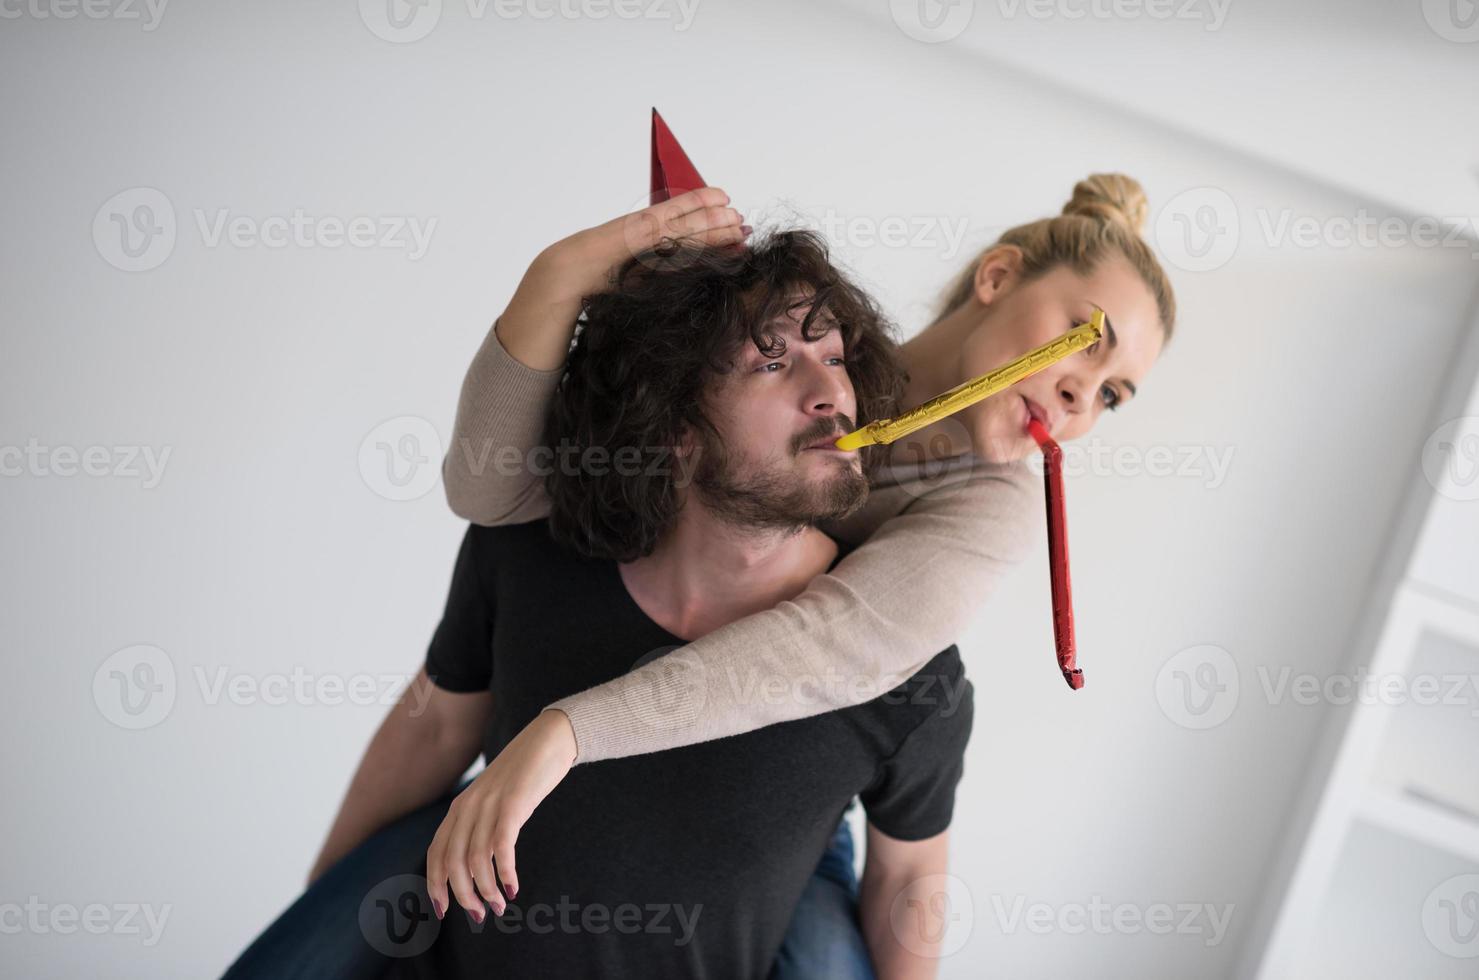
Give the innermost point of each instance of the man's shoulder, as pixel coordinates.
(518, 543)
(524, 531)
(944, 666)
(939, 683)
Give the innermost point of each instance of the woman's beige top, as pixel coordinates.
(935, 539)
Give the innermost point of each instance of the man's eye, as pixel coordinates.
(768, 365)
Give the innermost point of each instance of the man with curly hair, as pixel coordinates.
(692, 460)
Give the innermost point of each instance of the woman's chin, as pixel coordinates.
(994, 445)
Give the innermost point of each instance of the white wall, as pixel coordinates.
(263, 550)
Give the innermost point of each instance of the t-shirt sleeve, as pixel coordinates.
(913, 795)
(460, 657)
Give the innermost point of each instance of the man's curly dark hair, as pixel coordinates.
(645, 351)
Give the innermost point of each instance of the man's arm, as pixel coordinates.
(906, 945)
(426, 742)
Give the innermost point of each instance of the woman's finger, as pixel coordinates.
(436, 867)
(694, 200)
(457, 878)
(645, 229)
(728, 235)
(480, 864)
(504, 840)
(706, 220)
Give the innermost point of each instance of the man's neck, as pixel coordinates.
(706, 572)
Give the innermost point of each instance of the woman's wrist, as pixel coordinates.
(573, 268)
(558, 734)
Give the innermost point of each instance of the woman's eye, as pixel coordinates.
(1111, 398)
(1092, 348)
(840, 361)
(766, 367)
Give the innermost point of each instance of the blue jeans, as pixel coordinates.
(320, 936)
(824, 938)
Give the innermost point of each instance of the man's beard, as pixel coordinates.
(766, 499)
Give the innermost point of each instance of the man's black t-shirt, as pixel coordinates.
(686, 863)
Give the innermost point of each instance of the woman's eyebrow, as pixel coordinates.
(1109, 333)
(1114, 340)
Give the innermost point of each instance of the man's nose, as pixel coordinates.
(828, 390)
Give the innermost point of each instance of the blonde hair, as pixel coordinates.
(1104, 218)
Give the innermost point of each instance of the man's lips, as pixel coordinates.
(828, 442)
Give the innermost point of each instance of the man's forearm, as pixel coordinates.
(904, 945)
(893, 958)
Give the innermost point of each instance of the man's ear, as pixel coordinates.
(997, 271)
(687, 443)
(686, 459)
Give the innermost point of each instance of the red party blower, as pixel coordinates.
(1058, 555)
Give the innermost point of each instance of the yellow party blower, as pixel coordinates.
(967, 393)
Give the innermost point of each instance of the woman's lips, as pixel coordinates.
(1034, 411)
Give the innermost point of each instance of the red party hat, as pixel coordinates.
(672, 172)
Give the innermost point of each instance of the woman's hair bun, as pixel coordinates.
(1111, 197)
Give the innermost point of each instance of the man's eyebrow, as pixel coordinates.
(824, 320)
(1113, 339)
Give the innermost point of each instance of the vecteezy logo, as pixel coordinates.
(400, 21)
(134, 230)
(1198, 687)
(1453, 20)
(1197, 230)
(1451, 458)
(395, 917)
(1451, 917)
(666, 691)
(933, 916)
(135, 687)
(932, 21)
(401, 458)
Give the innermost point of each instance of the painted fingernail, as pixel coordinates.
(746, 229)
(436, 907)
(513, 891)
(477, 916)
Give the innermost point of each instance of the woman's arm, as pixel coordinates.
(902, 597)
(491, 473)
(426, 742)
(903, 924)
(855, 633)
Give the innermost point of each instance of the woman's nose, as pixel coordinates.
(1070, 391)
